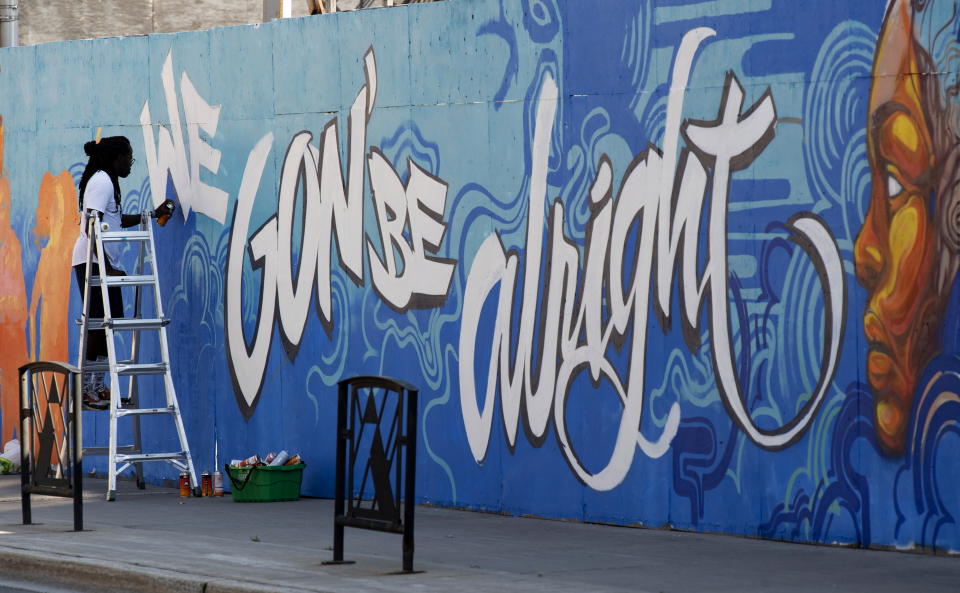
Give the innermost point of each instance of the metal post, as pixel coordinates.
(9, 23)
(76, 403)
(341, 467)
(26, 442)
(133, 386)
(409, 488)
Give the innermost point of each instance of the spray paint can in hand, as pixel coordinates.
(184, 484)
(217, 483)
(164, 215)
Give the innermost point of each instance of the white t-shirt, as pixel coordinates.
(98, 196)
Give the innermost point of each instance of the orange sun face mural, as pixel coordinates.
(906, 253)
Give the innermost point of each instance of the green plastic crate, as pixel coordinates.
(265, 483)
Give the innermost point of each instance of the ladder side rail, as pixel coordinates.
(112, 360)
(85, 312)
(168, 375)
(162, 334)
(91, 222)
(133, 386)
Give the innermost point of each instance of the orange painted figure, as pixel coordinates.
(907, 252)
(57, 223)
(13, 310)
(55, 230)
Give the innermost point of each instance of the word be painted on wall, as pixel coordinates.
(663, 195)
(407, 274)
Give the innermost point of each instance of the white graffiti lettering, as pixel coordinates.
(663, 198)
(416, 204)
(167, 154)
(409, 217)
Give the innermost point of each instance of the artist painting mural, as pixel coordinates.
(687, 263)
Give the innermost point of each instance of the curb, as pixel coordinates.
(109, 576)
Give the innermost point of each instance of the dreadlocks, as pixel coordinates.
(102, 155)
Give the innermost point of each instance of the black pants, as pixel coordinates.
(97, 339)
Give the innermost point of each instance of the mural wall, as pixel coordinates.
(687, 264)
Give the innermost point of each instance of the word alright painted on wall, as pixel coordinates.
(405, 270)
(663, 196)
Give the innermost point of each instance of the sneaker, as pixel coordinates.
(92, 400)
(103, 392)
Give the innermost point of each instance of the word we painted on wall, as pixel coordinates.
(662, 196)
(168, 156)
(405, 270)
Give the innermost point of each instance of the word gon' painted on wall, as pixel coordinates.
(409, 217)
(663, 196)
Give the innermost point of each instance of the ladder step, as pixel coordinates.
(129, 368)
(93, 367)
(133, 458)
(145, 411)
(153, 368)
(149, 279)
(125, 236)
(94, 451)
(128, 323)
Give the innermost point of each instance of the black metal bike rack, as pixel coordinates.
(376, 417)
(51, 435)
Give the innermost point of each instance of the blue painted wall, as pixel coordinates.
(616, 248)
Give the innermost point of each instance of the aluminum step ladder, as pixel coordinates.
(122, 457)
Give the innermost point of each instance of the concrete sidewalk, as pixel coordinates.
(154, 541)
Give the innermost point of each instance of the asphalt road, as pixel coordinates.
(23, 587)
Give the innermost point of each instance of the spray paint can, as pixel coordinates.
(163, 218)
(184, 484)
(206, 484)
(217, 483)
(250, 461)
